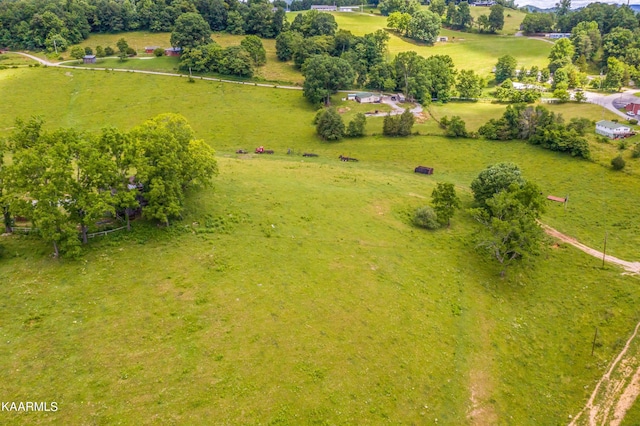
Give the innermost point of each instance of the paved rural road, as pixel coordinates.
(614, 101)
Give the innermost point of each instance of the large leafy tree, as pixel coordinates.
(586, 39)
(510, 229)
(495, 179)
(93, 178)
(399, 21)
(325, 75)
(469, 85)
(537, 23)
(330, 126)
(314, 23)
(424, 26)
(441, 76)
(463, 18)
(119, 147)
(445, 201)
(496, 18)
(615, 74)
(286, 43)
(411, 76)
(191, 30)
(40, 181)
(168, 160)
(253, 45)
(506, 68)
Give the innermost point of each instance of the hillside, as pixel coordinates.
(299, 289)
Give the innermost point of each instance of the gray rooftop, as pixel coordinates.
(610, 124)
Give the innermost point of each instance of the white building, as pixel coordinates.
(324, 8)
(558, 35)
(367, 97)
(611, 129)
(349, 9)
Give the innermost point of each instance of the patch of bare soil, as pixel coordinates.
(421, 117)
(627, 399)
(609, 392)
(342, 110)
(481, 411)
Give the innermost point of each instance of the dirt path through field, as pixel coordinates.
(612, 393)
(620, 392)
(630, 267)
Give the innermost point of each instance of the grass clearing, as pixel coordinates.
(297, 288)
(468, 50)
(274, 70)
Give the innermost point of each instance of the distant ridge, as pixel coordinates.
(531, 8)
(537, 9)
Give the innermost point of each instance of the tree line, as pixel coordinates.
(606, 36)
(57, 24)
(332, 60)
(539, 126)
(63, 181)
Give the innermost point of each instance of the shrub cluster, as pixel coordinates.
(539, 126)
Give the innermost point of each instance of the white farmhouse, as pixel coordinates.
(611, 129)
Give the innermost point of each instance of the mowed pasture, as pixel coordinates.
(297, 290)
(468, 50)
(274, 70)
(478, 52)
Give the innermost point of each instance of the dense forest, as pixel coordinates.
(35, 24)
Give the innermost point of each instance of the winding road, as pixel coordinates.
(614, 101)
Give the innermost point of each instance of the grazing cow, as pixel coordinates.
(309, 154)
(241, 151)
(343, 158)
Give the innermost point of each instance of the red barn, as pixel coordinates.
(150, 49)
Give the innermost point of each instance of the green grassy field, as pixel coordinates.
(468, 50)
(11, 59)
(274, 70)
(512, 18)
(297, 291)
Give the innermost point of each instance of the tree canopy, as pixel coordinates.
(191, 30)
(65, 180)
(324, 76)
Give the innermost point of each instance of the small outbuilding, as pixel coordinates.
(612, 130)
(324, 8)
(89, 59)
(173, 51)
(150, 49)
(367, 98)
(632, 108)
(424, 170)
(558, 35)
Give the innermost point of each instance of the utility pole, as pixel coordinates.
(55, 46)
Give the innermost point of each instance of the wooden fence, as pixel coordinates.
(26, 230)
(23, 229)
(103, 233)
